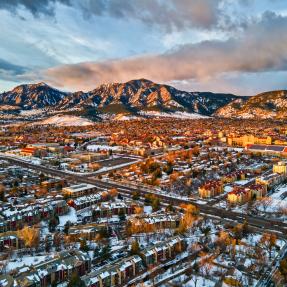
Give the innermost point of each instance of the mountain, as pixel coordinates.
(33, 96)
(271, 104)
(130, 97)
(144, 94)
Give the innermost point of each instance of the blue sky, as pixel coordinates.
(237, 46)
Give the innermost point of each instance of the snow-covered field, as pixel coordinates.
(70, 216)
(66, 120)
(95, 147)
(180, 115)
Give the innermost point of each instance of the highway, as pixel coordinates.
(265, 224)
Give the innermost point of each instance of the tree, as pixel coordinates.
(57, 240)
(155, 204)
(122, 215)
(30, 236)
(169, 208)
(83, 245)
(76, 281)
(105, 252)
(188, 218)
(135, 248)
(265, 202)
(113, 193)
(47, 244)
(2, 193)
(268, 241)
(138, 210)
(136, 195)
(67, 227)
(54, 221)
(283, 268)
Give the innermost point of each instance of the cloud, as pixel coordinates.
(168, 14)
(11, 72)
(35, 7)
(11, 68)
(260, 48)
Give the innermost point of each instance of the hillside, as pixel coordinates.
(263, 106)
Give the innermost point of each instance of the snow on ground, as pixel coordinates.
(199, 281)
(66, 120)
(70, 216)
(147, 209)
(95, 147)
(180, 115)
(26, 260)
(125, 117)
(244, 182)
(280, 193)
(31, 112)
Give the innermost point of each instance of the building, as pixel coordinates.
(267, 149)
(54, 271)
(210, 188)
(28, 151)
(10, 242)
(248, 140)
(147, 223)
(163, 251)
(115, 274)
(86, 200)
(78, 190)
(271, 179)
(107, 209)
(90, 156)
(241, 195)
(280, 167)
(234, 176)
(87, 231)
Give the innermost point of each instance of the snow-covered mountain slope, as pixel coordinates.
(65, 120)
(266, 105)
(33, 96)
(132, 96)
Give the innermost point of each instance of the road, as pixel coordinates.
(259, 222)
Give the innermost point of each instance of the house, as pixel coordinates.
(86, 200)
(28, 151)
(234, 176)
(280, 167)
(115, 274)
(87, 231)
(210, 188)
(106, 209)
(145, 223)
(271, 179)
(78, 190)
(163, 251)
(17, 216)
(241, 195)
(10, 242)
(55, 270)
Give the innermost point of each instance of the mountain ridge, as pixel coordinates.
(266, 105)
(134, 95)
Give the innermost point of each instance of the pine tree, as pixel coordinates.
(83, 246)
(76, 281)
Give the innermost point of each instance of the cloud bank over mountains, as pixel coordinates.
(212, 39)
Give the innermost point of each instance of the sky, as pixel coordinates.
(233, 46)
